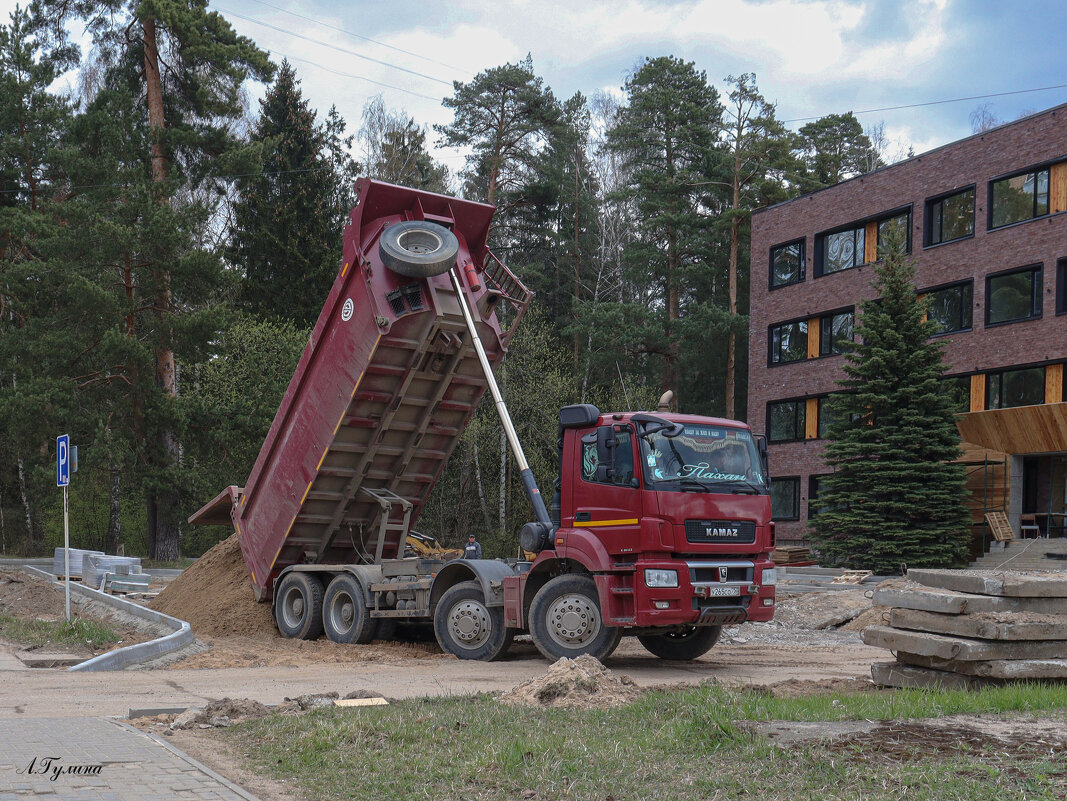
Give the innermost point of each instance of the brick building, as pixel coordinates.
(986, 226)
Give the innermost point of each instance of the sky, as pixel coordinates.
(810, 57)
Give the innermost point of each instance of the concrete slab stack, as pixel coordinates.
(966, 628)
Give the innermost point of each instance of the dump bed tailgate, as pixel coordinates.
(385, 386)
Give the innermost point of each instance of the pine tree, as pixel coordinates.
(185, 66)
(394, 149)
(288, 220)
(834, 148)
(665, 136)
(503, 116)
(896, 496)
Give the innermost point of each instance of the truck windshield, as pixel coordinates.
(720, 458)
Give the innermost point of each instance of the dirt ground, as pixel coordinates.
(30, 597)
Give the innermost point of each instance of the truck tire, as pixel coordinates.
(693, 642)
(565, 620)
(298, 611)
(344, 612)
(467, 628)
(418, 249)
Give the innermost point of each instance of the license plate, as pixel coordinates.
(723, 591)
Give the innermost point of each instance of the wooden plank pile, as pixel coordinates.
(965, 628)
(791, 555)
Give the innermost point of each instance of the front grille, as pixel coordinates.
(708, 572)
(741, 531)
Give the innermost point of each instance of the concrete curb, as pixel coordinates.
(186, 758)
(180, 636)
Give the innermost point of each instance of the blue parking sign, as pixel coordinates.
(63, 460)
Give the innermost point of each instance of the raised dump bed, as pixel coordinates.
(386, 385)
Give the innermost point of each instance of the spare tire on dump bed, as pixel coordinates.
(418, 249)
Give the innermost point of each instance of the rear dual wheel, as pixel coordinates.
(298, 609)
(469, 629)
(345, 615)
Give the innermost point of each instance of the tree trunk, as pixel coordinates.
(114, 520)
(164, 532)
(735, 234)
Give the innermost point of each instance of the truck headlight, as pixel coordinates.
(770, 578)
(661, 578)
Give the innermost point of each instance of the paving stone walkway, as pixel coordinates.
(100, 759)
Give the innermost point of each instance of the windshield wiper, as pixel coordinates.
(749, 489)
(692, 485)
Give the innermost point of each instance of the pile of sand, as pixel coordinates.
(215, 596)
(581, 683)
(821, 610)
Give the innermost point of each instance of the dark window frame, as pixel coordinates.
(799, 420)
(813, 492)
(803, 244)
(999, 375)
(928, 214)
(795, 481)
(818, 269)
(828, 316)
(928, 291)
(1036, 168)
(771, 362)
(1061, 285)
(1036, 290)
(821, 423)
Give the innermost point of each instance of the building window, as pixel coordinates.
(786, 420)
(958, 388)
(787, 264)
(789, 342)
(950, 307)
(949, 217)
(1019, 197)
(785, 498)
(1010, 388)
(816, 484)
(839, 251)
(1013, 296)
(895, 227)
(1061, 286)
(835, 335)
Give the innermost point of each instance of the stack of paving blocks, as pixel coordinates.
(965, 628)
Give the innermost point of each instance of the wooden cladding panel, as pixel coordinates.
(811, 418)
(870, 243)
(1058, 187)
(1024, 429)
(1054, 383)
(814, 332)
(977, 393)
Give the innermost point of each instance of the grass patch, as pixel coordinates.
(669, 744)
(38, 633)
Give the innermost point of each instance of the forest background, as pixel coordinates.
(165, 248)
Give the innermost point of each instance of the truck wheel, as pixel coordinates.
(690, 643)
(565, 620)
(298, 611)
(344, 612)
(418, 249)
(469, 629)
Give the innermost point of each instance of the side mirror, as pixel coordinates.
(764, 455)
(605, 454)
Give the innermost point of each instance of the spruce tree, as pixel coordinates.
(897, 497)
(288, 220)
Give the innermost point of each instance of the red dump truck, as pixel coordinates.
(660, 526)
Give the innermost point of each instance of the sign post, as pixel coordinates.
(63, 480)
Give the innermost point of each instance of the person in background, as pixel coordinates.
(473, 549)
